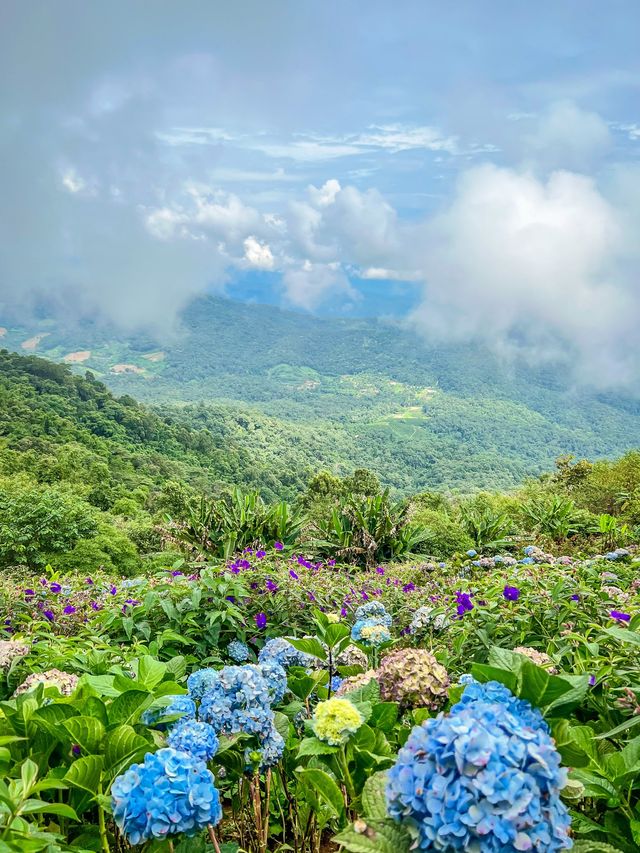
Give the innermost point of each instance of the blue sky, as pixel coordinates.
(474, 166)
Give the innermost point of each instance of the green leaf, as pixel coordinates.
(41, 807)
(282, 724)
(384, 716)
(378, 838)
(374, 802)
(28, 776)
(325, 787)
(482, 672)
(87, 732)
(335, 633)
(121, 746)
(150, 671)
(127, 707)
(85, 773)
(310, 646)
(314, 746)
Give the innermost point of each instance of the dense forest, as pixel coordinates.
(260, 380)
(88, 479)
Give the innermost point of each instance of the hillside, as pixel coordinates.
(299, 393)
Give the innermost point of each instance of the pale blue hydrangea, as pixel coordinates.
(375, 611)
(276, 678)
(282, 652)
(238, 701)
(370, 632)
(270, 752)
(238, 651)
(170, 793)
(493, 691)
(196, 738)
(336, 681)
(201, 681)
(480, 779)
(183, 705)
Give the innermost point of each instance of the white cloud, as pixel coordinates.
(258, 255)
(567, 137)
(73, 182)
(532, 266)
(312, 284)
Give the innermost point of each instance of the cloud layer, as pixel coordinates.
(148, 159)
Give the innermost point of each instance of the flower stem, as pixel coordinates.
(213, 837)
(102, 825)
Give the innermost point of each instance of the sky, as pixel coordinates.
(473, 168)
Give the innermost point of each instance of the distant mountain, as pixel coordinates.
(308, 393)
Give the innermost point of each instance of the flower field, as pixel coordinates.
(272, 702)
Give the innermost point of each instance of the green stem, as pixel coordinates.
(344, 765)
(102, 826)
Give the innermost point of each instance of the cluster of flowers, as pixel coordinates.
(425, 618)
(485, 777)
(173, 791)
(372, 624)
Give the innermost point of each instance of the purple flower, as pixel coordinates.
(261, 621)
(96, 606)
(409, 587)
(293, 574)
(48, 614)
(278, 546)
(260, 555)
(511, 593)
(88, 581)
(620, 617)
(380, 570)
(464, 603)
(311, 596)
(55, 587)
(113, 590)
(29, 593)
(75, 749)
(132, 602)
(331, 562)
(271, 586)
(69, 609)
(343, 611)
(575, 598)
(176, 574)
(592, 680)
(230, 598)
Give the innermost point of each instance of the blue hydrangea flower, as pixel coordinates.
(238, 651)
(375, 611)
(170, 793)
(494, 692)
(282, 652)
(276, 678)
(270, 751)
(179, 705)
(480, 780)
(198, 739)
(370, 632)
(336, 681)
(238, 701)
(201, 681)
(472, 553)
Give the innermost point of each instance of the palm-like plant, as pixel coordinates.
(369, 529)
(486, 527)
(222, 527)
(556, 516)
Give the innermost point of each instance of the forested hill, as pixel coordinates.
(295, 393)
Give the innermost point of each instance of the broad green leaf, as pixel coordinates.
(378, 838)
(310, 646)
(335, 633)
(325, 787)
(85, 773)
(87, 732)
(384, 716)
(315, 746)
(374, 802)
(127, 707)
(150, 671)
(482, 672)
(121, 746)
(41, 807)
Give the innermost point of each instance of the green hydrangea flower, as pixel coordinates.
(335, 720)
(413, 678)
